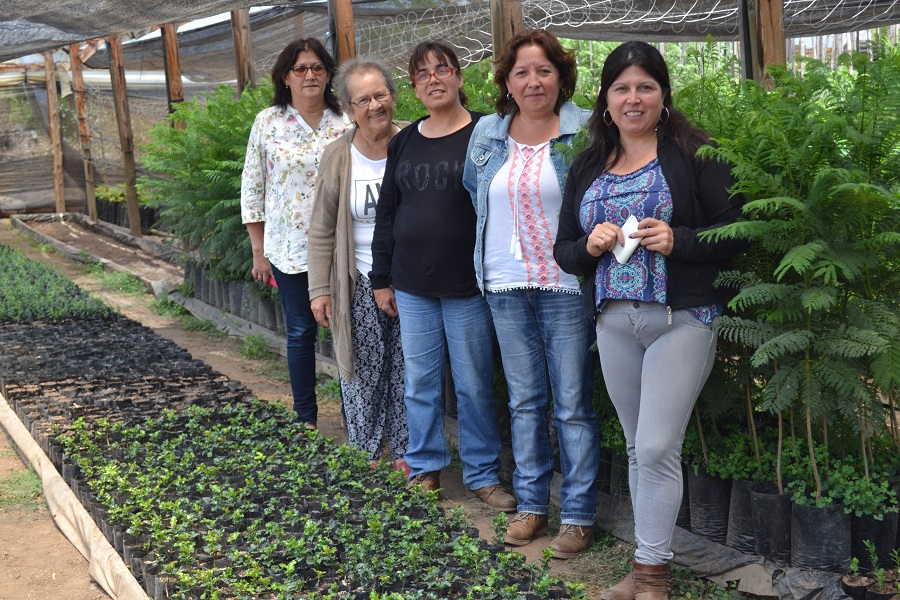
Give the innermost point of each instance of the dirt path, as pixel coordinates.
(42, 546)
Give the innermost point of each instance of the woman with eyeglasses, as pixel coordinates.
(366, 340)
(277, 192)
(422, 270)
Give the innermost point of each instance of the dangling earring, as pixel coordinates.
(607, 118)
(510, 97)
(665, 108)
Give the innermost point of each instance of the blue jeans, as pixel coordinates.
(545, 343)
(654, 370)
(301, 330)
(466, 322)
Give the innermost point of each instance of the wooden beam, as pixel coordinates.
(240, 30)
(59, 182)
(506, 21)
(83, 131)
(342, 24)
(126, 136)
(765, 22)
(172, 64)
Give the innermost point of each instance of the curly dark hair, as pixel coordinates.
(605, 139)
(562, 59)
(286, 60)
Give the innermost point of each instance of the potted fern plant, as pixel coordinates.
(816, 159)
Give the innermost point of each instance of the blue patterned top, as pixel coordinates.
(643, 193)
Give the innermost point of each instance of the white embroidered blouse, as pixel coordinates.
(279, 180)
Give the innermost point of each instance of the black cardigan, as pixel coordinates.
(700, 202)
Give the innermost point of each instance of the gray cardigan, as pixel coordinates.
(331, 253)
(330, 249)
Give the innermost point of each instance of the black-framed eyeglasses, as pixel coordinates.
(439, 73)
(366, 101)
(300, 70)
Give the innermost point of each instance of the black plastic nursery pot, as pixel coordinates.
(820, 538)
(771, 514)
(710, 498)
(883, 532)
(740, 518)
(855, 586)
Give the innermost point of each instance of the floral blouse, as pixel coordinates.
(279, 180)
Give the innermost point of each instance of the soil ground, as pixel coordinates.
(37, 562)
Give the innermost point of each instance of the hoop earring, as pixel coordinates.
(510, 97)
(607, 118)
(665, 108)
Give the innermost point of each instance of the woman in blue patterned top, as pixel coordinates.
(654, 312)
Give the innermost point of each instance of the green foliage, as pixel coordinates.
(254, 347)
(192, 323)
(816, 161)
(168, 308)
(109, 193)
(122, 282)
(30, 291)
(328, 387)
(196, 176)
(878, 572)
(280, 508)
(20, 490)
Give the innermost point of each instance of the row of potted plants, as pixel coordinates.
(208, 493)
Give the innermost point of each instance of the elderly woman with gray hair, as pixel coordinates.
(367, 340)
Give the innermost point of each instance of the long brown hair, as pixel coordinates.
(605, 140)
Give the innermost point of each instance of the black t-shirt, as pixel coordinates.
(424, 237)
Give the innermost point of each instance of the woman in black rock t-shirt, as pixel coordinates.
(422, 268)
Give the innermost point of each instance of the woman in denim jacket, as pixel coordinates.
(516, 176)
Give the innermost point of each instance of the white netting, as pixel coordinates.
(466, 27)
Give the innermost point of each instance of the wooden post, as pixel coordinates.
(341, 12)
(765, 24)
(126, 136)
(84, 132)
(240, 30)
(172, 64)
(506, 21)
(59, 182)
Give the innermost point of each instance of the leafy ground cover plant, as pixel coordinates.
(32, 292)
(282, 512)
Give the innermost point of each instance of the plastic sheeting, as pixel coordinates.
(722, 564)
(28, 27)
(105, 565)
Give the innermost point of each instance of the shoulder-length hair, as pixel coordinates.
(605, 140)
(562, 59)
(442, 52)
(286, 60)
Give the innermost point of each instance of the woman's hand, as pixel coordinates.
(321, 310)
(655, 235)
(262, 270)
(385, 300)
(603, 238)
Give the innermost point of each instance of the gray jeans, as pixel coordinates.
(654, 364)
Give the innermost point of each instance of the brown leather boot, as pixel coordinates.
(624, 590)
(572, 540)
(524, 527)
(495, 497)
(651, 582)
(430, 481)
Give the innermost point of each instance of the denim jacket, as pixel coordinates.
(486, 154)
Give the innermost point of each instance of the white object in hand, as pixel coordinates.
(623, 251)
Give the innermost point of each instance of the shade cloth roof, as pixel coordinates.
(32, 26)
